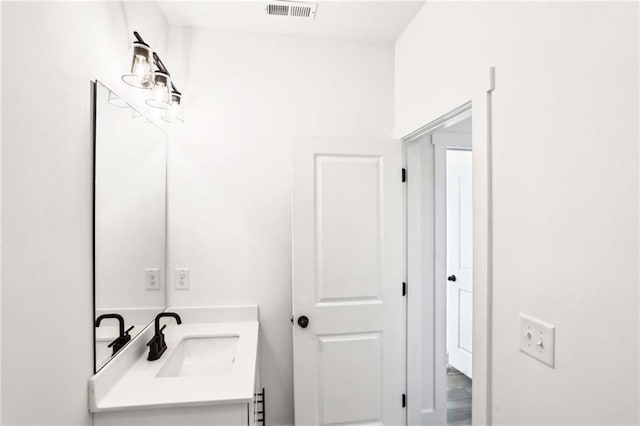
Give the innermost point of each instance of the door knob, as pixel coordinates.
(451, 278)
(303, 321)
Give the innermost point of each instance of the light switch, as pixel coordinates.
(537, 339)
(152, 279)
(182, 278)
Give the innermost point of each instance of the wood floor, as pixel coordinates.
(458, 398)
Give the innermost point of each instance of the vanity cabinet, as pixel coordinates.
(213, 415)
(243, 414)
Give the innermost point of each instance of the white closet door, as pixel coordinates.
(460, 259)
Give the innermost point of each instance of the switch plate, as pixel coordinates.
(182, 278)
(152, 279)
(537, 339)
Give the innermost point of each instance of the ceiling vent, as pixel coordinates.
(295, 9)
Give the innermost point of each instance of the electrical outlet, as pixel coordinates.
(182, 278)
(152, 279)
(538, 339)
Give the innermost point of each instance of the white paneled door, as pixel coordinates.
(349, 311)
(459, 260)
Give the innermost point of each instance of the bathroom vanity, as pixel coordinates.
(207, 376)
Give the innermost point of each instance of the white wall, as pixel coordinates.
(50, 52)
(246, 96)
(565, 188)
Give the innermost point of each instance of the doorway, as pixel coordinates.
(454, 178)
(440, 253)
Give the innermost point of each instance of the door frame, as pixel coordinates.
(479, 102)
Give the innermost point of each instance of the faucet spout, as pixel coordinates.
(113, 316)
(166, 315)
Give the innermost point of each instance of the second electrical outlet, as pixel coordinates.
(182, 278)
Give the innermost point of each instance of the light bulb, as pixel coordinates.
(160, 95)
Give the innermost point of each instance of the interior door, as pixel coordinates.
(460, 260)
(349, 310)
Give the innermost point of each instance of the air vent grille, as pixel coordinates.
(292, 8)
(303, 12)
(278, 9)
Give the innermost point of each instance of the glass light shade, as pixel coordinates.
(115, 100)
(174, 114)
(160, 94)
(141, 75)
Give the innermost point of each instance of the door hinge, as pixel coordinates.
(404, 289)
(404, 174)
(404, 400)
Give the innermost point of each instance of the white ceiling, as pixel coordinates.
(363, 20)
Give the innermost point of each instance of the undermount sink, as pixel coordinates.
(201, 356)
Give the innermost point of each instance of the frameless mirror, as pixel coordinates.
(129, 223)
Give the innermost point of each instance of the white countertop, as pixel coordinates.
(139, 387)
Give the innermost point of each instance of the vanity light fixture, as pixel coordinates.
(174, 114)
(163, 93)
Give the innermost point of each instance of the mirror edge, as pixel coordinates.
(94, 98)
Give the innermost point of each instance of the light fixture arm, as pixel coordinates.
(160, 64)
(139, 38)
